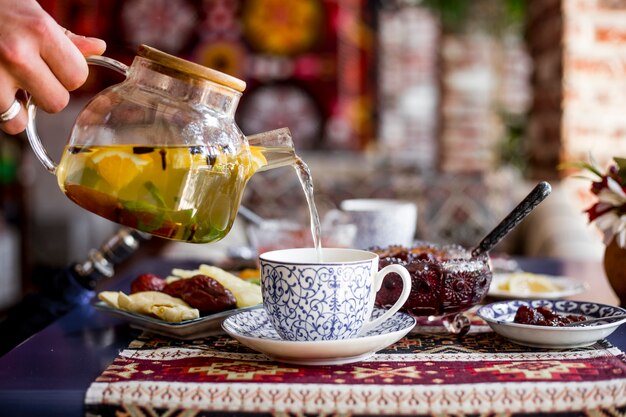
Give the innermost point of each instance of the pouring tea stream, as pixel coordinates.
(160, 152)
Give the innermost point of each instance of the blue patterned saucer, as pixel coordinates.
(254, 329)
(499, 316)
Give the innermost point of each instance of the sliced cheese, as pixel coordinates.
(152, 303)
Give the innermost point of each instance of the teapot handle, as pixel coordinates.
(31, 130)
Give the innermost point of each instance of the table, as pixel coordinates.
(49, 373)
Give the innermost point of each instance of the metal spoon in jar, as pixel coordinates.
(523, 209)
(460, 324)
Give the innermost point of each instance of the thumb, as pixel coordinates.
(87, 46)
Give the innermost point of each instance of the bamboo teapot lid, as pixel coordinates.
(190, 68)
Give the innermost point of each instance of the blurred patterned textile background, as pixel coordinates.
(307, 62)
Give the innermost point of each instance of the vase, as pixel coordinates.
(615, 269)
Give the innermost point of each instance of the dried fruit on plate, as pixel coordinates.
(147, 282)
(246, 293)
(186, 295)
(543, 316)
(202, 292)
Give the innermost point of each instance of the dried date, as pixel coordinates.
(147, 282)
(543, 316)
(202, 292)
(175, 288)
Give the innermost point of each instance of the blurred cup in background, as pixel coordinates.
(285, 234)
(381, 222)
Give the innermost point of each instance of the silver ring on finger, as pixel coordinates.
(12, 111)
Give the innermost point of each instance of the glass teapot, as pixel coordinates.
(160, 152)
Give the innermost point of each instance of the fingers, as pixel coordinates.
(23, 66)
(64, 59)
(87, 46)
(65, 56)
(47, 90)
(47, 62)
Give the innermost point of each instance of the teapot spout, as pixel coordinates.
(274, 149)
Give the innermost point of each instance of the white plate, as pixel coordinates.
(567, 287)
(186, 330)
(253, 329)
(499, 316)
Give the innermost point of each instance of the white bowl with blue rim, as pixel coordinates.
(500, 315)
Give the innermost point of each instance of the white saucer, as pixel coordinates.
(253, 329)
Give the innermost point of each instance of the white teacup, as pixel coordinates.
(381, 222)
(308, 299)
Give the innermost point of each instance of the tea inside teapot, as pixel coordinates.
(188, 193)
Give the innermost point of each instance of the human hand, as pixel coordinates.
(40, 57)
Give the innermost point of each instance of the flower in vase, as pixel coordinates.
(609, 212)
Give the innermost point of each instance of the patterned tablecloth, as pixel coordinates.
(479, 374)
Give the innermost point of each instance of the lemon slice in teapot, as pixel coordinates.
(186, 158)
(255, 161)
(118, 168)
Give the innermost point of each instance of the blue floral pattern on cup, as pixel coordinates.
(323, 304)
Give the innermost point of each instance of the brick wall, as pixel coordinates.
(408, 85)
(579, 82)
(594, 79)
(470, 125)
(442, 93)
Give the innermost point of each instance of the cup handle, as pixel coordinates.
(378, 282)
